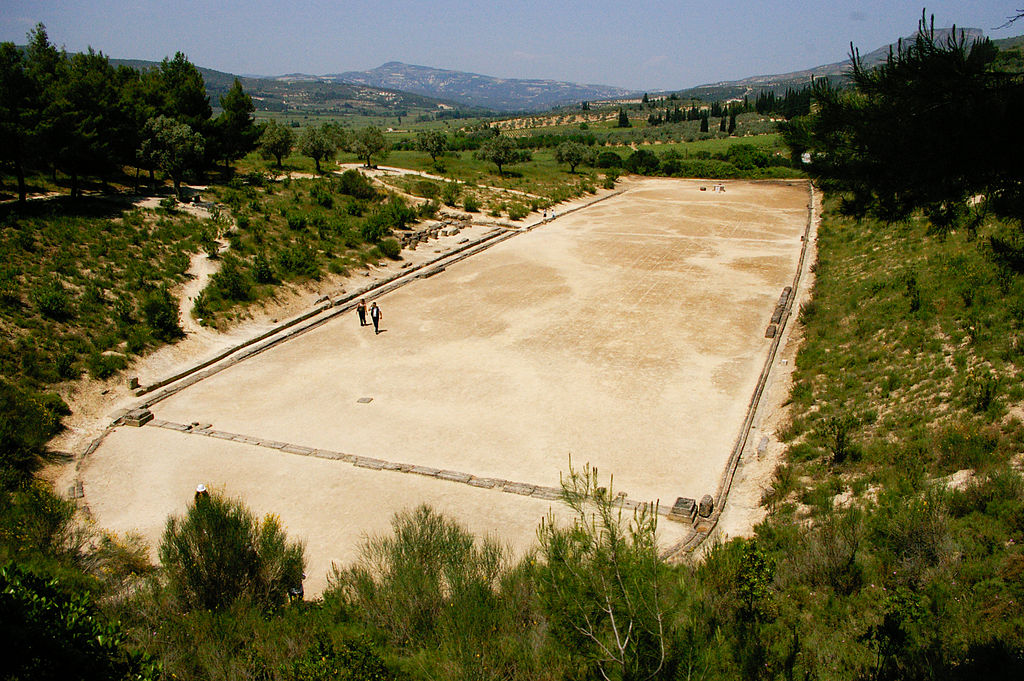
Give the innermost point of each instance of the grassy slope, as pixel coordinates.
(73, 282)
(899, 574)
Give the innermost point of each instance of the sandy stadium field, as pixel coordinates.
(629, 335)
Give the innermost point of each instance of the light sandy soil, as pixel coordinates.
(764, 451)
(628, 334)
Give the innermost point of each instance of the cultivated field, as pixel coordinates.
(629, 335)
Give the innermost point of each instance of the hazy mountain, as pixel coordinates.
(301, 93)
(473, 89)
(797, 79)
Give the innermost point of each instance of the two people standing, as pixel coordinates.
(375, 315)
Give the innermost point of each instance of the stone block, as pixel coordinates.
(771, 331)
(138, 417)
(684, 509)
(549, 493)
(519, 488)
(484, 483)
(777, 315)
(367, 462)
(707, 506)
(454, 476)
(425, 470)
(296, 449)
(133, 382)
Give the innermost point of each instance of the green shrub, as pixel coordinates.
(52, 300)
(835, 431)
(262, 271)
(426, 189)
(231, 282)
(219, 552)
(26, 423)
(299, 259)
(517, 211)
(52, 630)
(428, 210)
(980, 387)
(354, 183)
(600, 584)
(450, 193)
(105, 365)
(471, 204)
(410, 584)
(160, 311)
(390, 248)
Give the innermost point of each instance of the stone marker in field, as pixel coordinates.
(707, 505)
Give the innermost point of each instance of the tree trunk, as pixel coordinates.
(22, 189)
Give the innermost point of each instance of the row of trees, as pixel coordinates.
(80, 115)
(322, 142)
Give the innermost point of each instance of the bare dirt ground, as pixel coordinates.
(628, 335)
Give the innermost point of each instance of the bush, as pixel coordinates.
(426, 189)
(219, 552)
(55, 631)
(600, 584)
(354, 183)
(608, 159)
(261, 269)
(642, 162)
(390, 248)
(299, 259)
(517, 211)
(835, 431)
(161, 313)
(104, 366)
(471, 204)
(232, 282)
(52, 300)
(428, 210)
(431, 587)
(450, 193)
(26, 423)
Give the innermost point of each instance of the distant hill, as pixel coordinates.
(473, 89)
(311, 94)
(778, 83)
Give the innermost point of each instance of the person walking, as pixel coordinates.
(375, 316)
(361, 311)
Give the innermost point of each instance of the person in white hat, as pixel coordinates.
(202, 492)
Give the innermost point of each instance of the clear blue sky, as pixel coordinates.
(631, 43)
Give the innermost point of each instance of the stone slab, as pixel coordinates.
(454, 476)
(523, 488)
